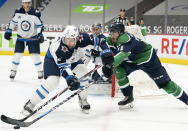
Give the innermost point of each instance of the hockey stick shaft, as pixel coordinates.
(14, 121)
(57, 95)
(27, 124)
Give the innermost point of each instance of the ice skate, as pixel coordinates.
(126, 103)
(40, 75)
(12, 75)
(28, 108)
(84, 105)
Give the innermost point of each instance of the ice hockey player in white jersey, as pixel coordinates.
(60, 61)
(29, 33)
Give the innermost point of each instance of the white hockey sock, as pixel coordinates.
(37, 61)
(47, 86)
(81, 70)
(16, 60)
(83, 94)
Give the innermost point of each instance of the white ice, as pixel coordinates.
(156, 114)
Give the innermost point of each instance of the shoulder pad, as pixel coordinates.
(19, 10)
(85, 34)
(124, 38)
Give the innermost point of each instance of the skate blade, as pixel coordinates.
(128, 106)
(85, 111)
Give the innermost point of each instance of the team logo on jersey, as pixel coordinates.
(80, 38)
(64, 49)
(25, 25)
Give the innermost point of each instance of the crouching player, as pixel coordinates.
(57, 63)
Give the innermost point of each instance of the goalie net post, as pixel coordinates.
(113, 86)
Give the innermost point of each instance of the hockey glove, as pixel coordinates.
(40, 38)
(107, 57)
(8, 34)
(107, 71)
(95, 53)
(73, 82)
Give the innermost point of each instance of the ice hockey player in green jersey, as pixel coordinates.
(132, 54)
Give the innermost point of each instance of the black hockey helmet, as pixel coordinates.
(117, 27)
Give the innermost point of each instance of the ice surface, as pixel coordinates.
(158, 114)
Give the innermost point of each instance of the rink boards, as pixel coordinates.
(170, 48)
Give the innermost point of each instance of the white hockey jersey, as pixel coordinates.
(28, 23)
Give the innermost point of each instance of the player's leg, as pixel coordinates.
(52, 77)
(80, 70)
(18, 53)
(159, 74)
(126, 88)
(41, 92)
(34, 50)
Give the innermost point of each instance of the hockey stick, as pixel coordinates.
(27, 124)
(9, 120)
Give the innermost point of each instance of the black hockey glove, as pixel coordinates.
(107, 57)
(73, 82)
(95, 53)
(8, 34)
(40, 38)
(107, 71)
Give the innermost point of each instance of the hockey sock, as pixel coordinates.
(175, 90)
(96, 76)
(16, 61)
(184, 98)
(37, 61)
(47, 86)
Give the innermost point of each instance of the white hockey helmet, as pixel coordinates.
(70, 35)
(23, 1)
(70, 31)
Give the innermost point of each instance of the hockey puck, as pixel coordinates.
(16, 127)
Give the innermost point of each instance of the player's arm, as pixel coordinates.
(65, 68)
(124, 49)
(39, 25)
(71, 79)
(84, 40)
(120, 57)
(103, 46)
(12, 24)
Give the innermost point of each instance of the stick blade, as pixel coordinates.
(11, 121)
(4, 118)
